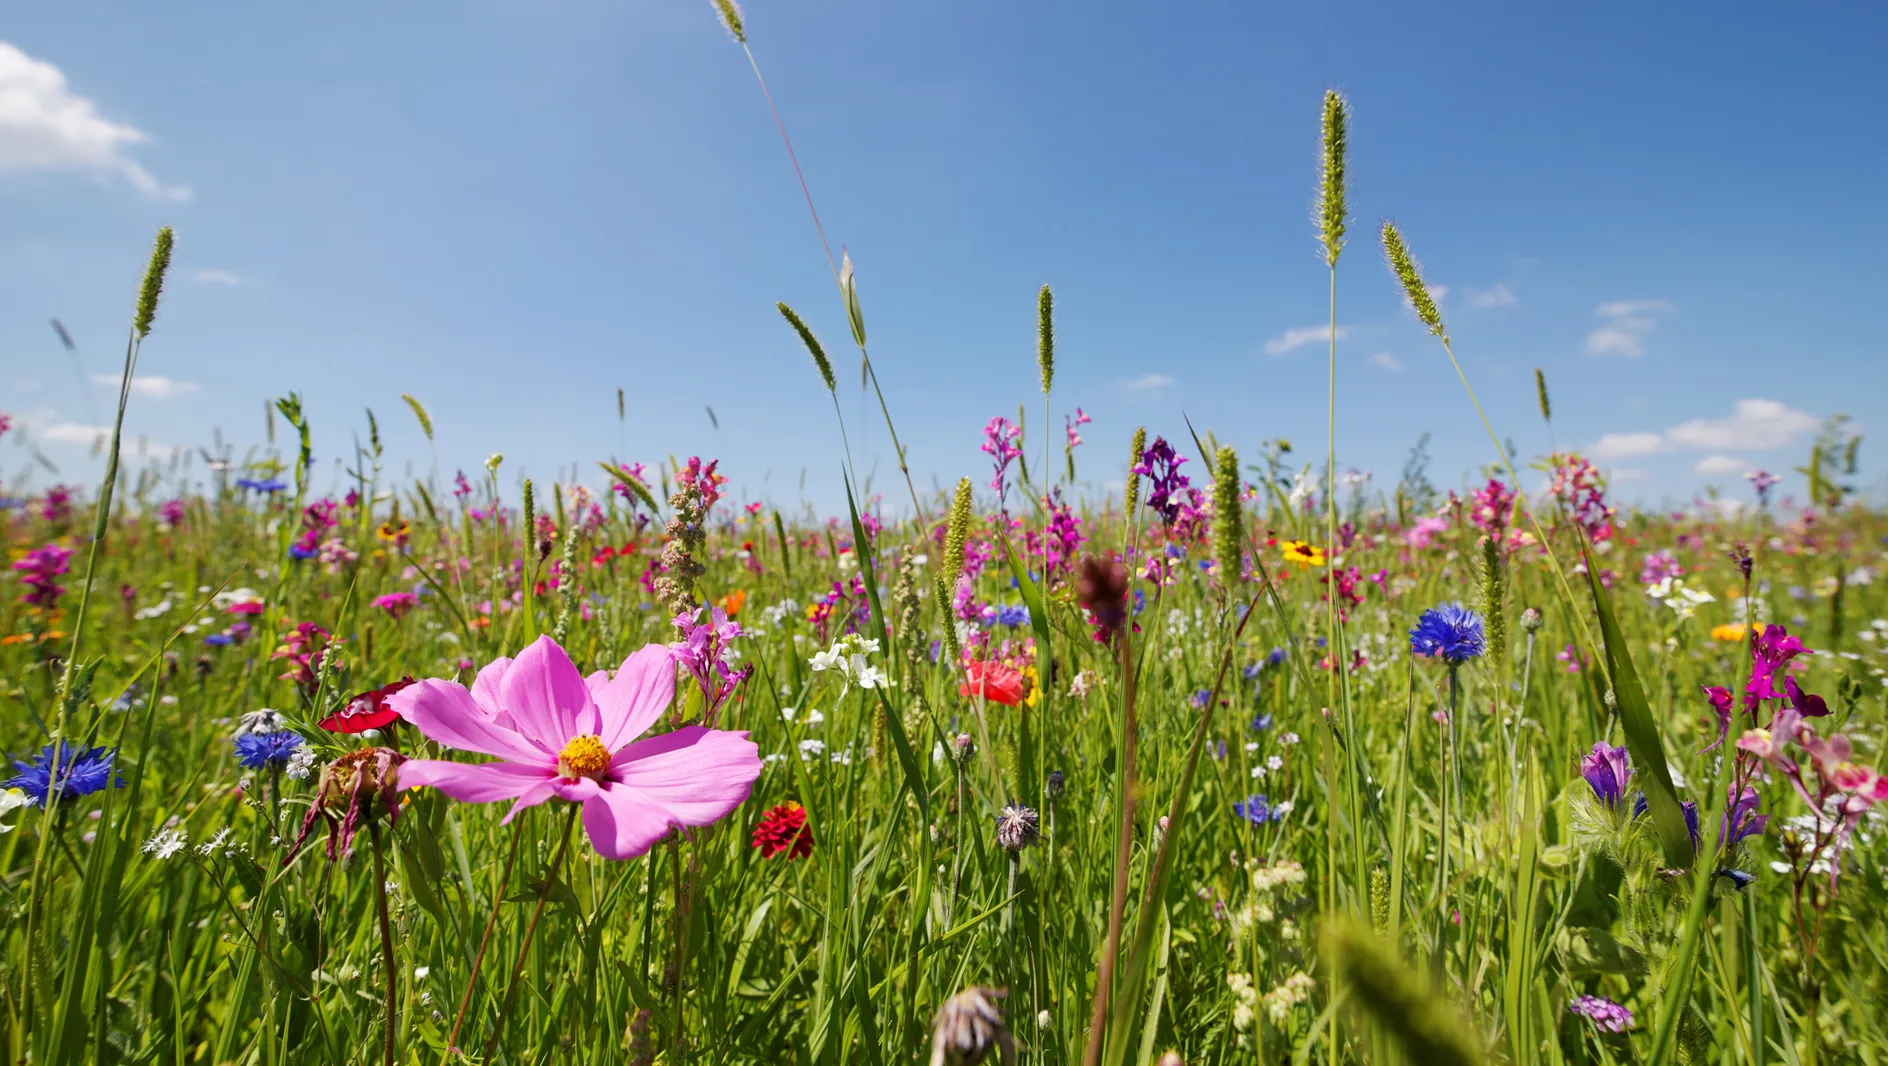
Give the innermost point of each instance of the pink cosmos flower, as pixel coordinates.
(559, 734)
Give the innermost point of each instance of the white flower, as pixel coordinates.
(814, 718)
(810, 748)
(301, 763)
(164, 843)
(827, 660)
(160, 607)
(868, 676)
(788, 713)
(214, 844)
(1274, 763)
(1288, 739)
(10, 800)
(420, 972)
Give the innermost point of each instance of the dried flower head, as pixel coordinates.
(968, 1026)
(345, 798)
(1101, 587)
(1017, 827)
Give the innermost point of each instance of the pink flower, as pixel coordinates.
(559, 734)
(396, 604)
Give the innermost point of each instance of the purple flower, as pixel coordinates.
(259, 751)
(1608, 770)
(1763, 481)
(1605, 1015)
(1742, 820)
(39, 572)
(1450, 632)
(703, 653)
(999, 442)
(1770, 652)
(1167, 486)
(1257, 810)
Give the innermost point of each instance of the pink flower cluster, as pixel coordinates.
(1578, 486)
(39, 572)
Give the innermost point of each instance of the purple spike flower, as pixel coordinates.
(1608, 770)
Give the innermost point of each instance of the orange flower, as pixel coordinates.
(733, 602)
(994, 681)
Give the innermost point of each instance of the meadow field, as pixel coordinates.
(1254, 760)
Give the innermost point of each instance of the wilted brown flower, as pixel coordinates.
(1101, 587)
(345, 798)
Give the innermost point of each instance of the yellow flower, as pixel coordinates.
(1301, 552)
(1731, 633)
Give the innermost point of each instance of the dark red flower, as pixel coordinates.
(994, 681)
(369, 710)
(783, 828)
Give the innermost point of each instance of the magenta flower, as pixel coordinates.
(40, 570)
(396, 604)
(999, 443)
(559, 734)
(703, 652)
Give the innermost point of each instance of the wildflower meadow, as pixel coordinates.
(1251, 761)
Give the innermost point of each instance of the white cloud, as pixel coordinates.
(1148, 383)
(1301, 336)
(218, 277)
(1499, 296)
(1754, 425)
(1628, 323)
(95, 436)
(45, 126)
(1386, 361)
(1615, 446)
(157, 388)
(1630, 473)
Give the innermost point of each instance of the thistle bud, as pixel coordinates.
(1531, 621)
(1016, 827)
(968, 1027)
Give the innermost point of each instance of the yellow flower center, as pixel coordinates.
(584, 756)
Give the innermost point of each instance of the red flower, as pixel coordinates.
(999, 683)
(783, 828)
(366, 711)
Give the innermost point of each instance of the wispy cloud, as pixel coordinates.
(1499, 296)
(45, 126)
(1752, 426)
(1713, 465)
(1297, 338)
(1386, 361)
(94, 436)
(1627, 324)
(154, 387)
(218, 277)
(1148, 383)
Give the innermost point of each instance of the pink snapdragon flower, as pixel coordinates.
(556, 733)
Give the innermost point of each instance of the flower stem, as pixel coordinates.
(478, 960)
(386, 937)
(1124, 855)
(537, 912)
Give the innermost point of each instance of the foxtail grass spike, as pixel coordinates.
(813, 348)
(1333, 213)
(1540, 390)
(1400, 999)
(1132, 499)
(957, 533)
(419, 412)
(1045, 337)
(730, 14)
(1228, 537)
(153, 286)
(530, 519)
(1494, 602)
(1409, 274)
(619, 403)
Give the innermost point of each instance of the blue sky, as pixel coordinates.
(509, 210)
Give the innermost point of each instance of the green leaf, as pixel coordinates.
(1642, 734)
(636, 488)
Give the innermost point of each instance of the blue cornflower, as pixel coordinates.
(219, 640)
(1274, 657)
(1450, 632)
(1140, 600)
(1199, 698)
(259, 751)
(81, 773)
(1256, 809)
(1262, 723)
(1738, 878)
(271, 485)
(1012, 615)
(296, 551)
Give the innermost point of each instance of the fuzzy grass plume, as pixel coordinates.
(1228, 515)
(813, 347)
(1396, 996)
(1333, 213)
(153, 286)
(1045, 337)
(1409, 275)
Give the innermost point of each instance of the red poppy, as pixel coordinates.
(783, 828)
(999, 683)
(366, 711)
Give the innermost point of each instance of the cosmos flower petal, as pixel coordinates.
(445, 712)
(485, 686)
(621, 825)
(636, 697)
(546, 696)
(473, 782)
(697, 775)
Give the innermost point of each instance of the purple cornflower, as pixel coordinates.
(39, 572)
(1608, 770)
(171, 513)
(1167, 486)
(1742, 820)
(1605, 1015)
(1450, 632)
(1257, 810)
(999, 442)
(703, 652)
